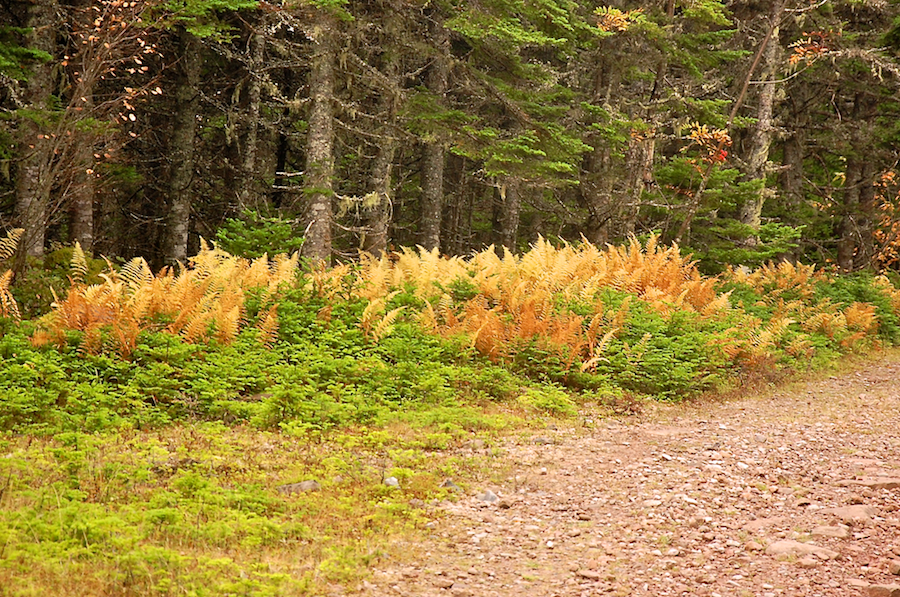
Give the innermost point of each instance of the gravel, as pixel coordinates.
(793, 493)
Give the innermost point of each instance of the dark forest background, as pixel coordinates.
(745, 131)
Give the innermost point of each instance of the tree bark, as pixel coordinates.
(379, 215)
(599, 176)
(792, 161)
(451, 225)
(761, 139)
(181, 153)
(433, 162)
(638, 172)
(847, 227)
(510, 208)
(90, 65)
(248, 194)
(81, 205)
(320, 143)
(33, 170)
(866, 217)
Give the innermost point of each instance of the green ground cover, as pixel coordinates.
(157, 472)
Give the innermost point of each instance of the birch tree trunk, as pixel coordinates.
(181, 153)
(320, 142)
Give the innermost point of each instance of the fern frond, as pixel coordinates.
(8, 305)
(428, 318)
(385, 327)
(367, 319)
(78, 264)
(136, 273)
(9, 243)
(197, 327)
(268, 326)
(227, 324)
(597, 351)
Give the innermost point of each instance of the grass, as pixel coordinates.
(195, 509)
(147, 423)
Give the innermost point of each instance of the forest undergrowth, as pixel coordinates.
(149, 422)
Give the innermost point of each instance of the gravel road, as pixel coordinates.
(796, 492)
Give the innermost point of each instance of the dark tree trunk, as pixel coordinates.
(866, 217)
(450, 223)
(595, 194)
(792, 162)
(379, 215)
(433, 162)
(847, 227)
(181, 152)
(249, 195)
(638, 173)
(81, 194)
(599, 175)
(320, 143)
(81, 207)
(508, 220)
(35, 150)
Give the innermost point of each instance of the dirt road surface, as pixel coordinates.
(796, 492)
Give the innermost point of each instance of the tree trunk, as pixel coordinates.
(248, 194)
(595, 194)
(638, 173)
(792, 162)
(379, 215)
(181, 153)
(433, 162)
(452, 223)
(81, 192)
(510, 208)
(320, 142)
(598, 175)
(33, 170)
(761, 139)
(847, 227)
(866, 217)
(81, 207)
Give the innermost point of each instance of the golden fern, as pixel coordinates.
(78, 264)
(369, 314)
(385, 327)
(268, 326)
(136, 273)
(8, 305)
(597, 351)
(9, 243)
